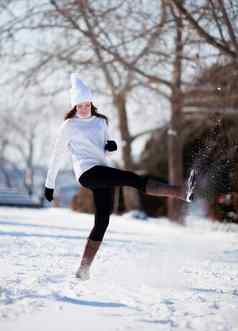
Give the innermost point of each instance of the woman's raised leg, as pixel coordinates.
(102, 177)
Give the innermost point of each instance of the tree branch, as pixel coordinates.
(228, 25)
(204, 34)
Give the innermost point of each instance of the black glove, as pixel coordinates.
(111, 146)
(49, 193)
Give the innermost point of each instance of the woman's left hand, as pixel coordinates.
(111, 146)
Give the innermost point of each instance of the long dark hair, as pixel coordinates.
(94, 112)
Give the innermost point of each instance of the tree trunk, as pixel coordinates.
(175, 159)
(130, 195)
(29, 174)
(7, 178)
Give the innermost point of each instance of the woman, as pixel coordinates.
(84, 133)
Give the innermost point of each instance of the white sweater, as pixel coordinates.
(85, 139)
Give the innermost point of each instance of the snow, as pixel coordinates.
(148, 275)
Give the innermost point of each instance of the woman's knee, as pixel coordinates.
(101, 220)
(104, 201)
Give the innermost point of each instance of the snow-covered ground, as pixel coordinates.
(148, 275)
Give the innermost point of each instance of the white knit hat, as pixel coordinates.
(79, 91)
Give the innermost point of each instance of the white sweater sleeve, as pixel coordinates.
(58, 156)
(107, 135)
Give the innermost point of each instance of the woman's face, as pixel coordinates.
(84, 109)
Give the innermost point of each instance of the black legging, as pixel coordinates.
(102, 181)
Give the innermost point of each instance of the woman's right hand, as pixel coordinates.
(49, 192)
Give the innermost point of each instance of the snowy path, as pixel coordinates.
(147, 276)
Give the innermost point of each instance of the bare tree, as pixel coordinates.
(170, 87)
(85, 27)
(7, 165)
(130, 45)
(215, 22)
(119, 81)
(174, 132)
(19, 145)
